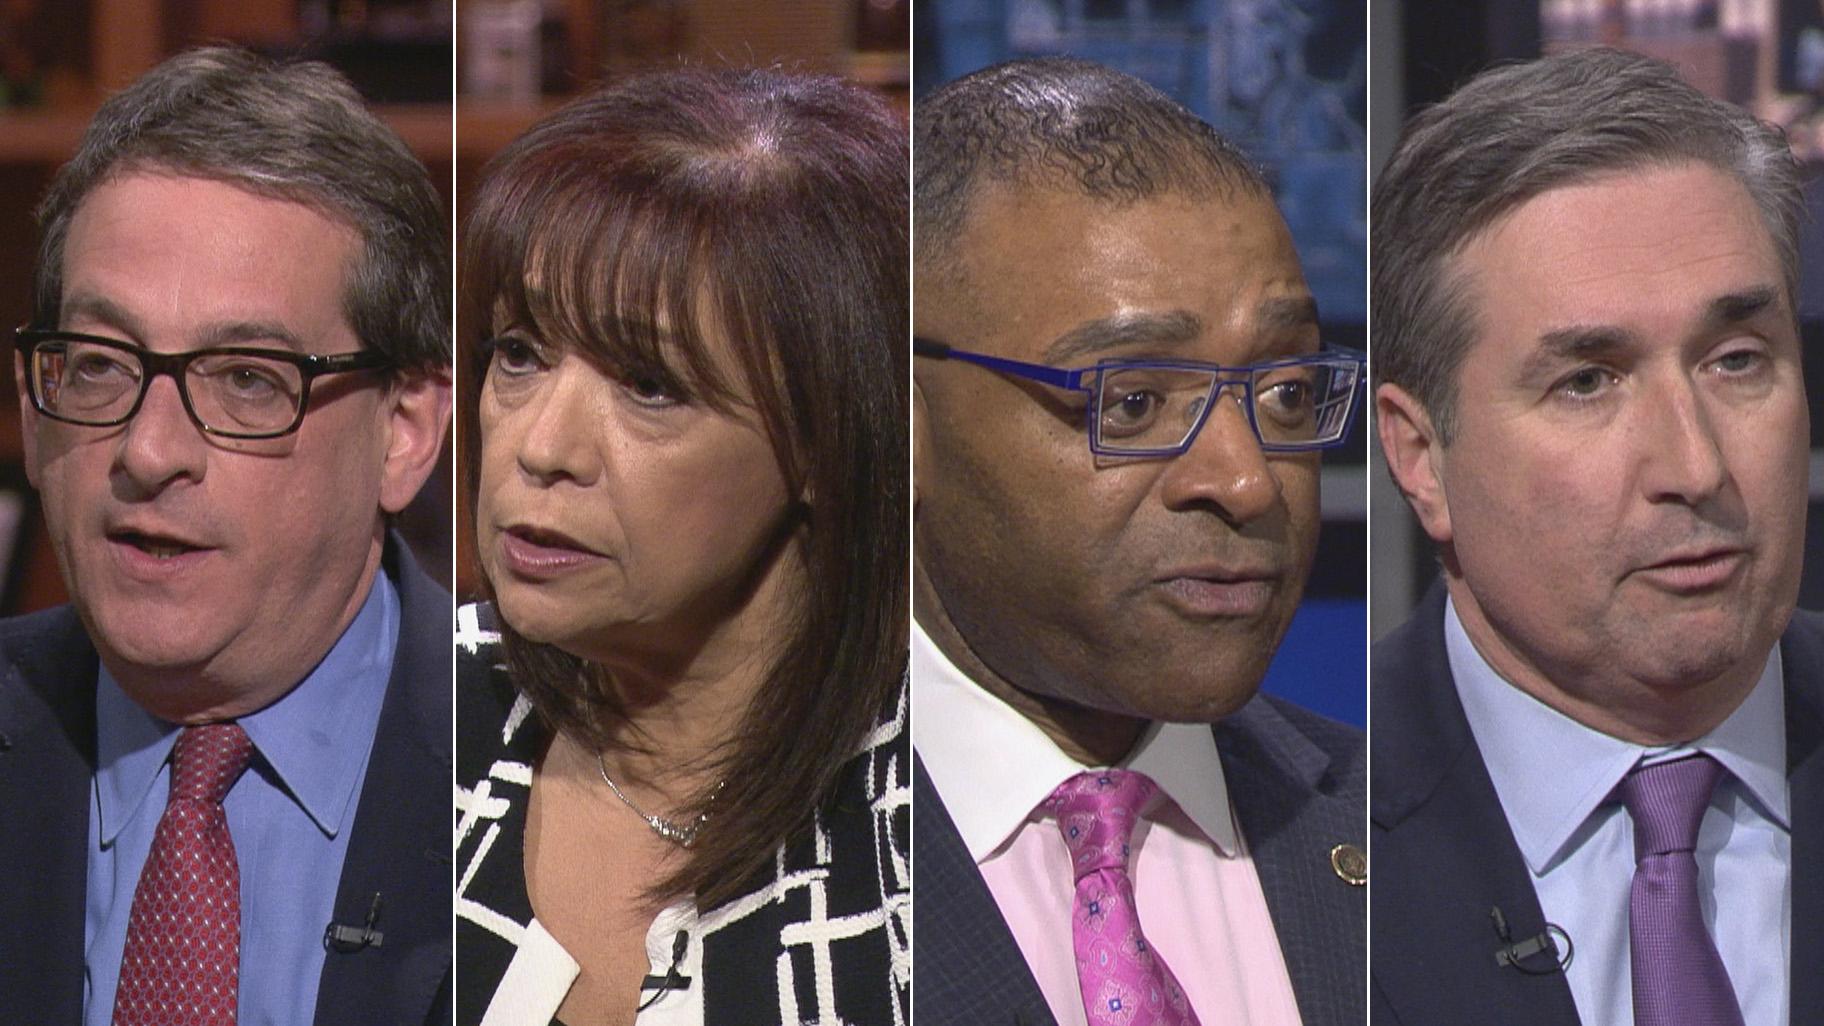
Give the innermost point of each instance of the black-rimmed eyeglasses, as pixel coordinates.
(229, 392)
(1156, 407)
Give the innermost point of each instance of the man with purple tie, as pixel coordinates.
(1597, 741)
(1121, 397)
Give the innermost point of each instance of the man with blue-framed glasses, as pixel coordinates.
(1156, 407)
(1121, 399)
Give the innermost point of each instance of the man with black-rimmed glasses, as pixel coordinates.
(225, 760)
(1120, 399)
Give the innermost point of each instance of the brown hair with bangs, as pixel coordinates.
(772, 206)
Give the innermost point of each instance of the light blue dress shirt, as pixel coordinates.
(1554, 776)
(290, 816)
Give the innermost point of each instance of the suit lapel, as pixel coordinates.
(47, 761)
(1443, 854)
(399, 849)
(969, 967)
(1291, 819)
(1802, 652)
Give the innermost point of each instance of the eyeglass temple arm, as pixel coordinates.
(1052, 376)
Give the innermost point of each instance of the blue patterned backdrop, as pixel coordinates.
(1284, 79)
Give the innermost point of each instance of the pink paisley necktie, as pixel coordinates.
(1124, 982)
(182, 961)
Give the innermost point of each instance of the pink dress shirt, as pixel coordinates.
(1199, 897)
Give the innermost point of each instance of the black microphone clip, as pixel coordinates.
(346, 940)
(1515, 952)
(672, 980)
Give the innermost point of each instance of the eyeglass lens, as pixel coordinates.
(89, 383)
(1156, 408)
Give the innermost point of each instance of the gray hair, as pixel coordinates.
(1513, 133)
(294, 131)
(1059, 122)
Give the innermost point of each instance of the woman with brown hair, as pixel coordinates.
(682, 760)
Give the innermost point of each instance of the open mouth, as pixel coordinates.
(540, 553)
(545, 538)
(155, 546)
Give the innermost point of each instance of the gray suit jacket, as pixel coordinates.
(1298, 784)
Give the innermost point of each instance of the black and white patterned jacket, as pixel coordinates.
(825, 941)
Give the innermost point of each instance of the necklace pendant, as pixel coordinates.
(683, 837)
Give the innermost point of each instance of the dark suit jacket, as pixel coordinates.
(1297, 783)
(400, 847)
(1444, 855)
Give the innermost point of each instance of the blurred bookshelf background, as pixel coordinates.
(512, 62)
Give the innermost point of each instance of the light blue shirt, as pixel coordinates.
(289, 814)
(1554, 776)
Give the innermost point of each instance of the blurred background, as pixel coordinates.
(60, 58)
(1766, 55)
(519, 60)
(1287, 81)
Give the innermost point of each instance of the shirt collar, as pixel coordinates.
(315, 739)
(966, 736)
(1553, 772)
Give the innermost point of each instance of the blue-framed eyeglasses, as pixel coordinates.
(1156, 407)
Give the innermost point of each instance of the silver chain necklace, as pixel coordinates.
(683, 835)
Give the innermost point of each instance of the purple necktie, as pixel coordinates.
(1122, 979)
(1679, 979)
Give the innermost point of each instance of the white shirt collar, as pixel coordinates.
(1552, 772)
(992, 766)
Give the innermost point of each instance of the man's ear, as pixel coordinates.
(28, 419)
(1409, 440)
(417, 420)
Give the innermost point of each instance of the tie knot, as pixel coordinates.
(1096, 813)
(207, 760)
(1667, 802)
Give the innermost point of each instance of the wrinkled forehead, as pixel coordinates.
(1031, 267)
(156, 249)
(1655, 259)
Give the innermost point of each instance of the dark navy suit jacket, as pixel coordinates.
(400, 847)
(1444, 855)
(1297, 783)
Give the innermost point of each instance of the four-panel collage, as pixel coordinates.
(911, 512)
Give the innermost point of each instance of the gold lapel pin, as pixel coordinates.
(1351, 864)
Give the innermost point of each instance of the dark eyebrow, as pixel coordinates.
(89, 306)
(1289, 312)
(228, 333)
(1737, 307)
(1170, 328)
(233, 333)
(1574, 344)
(1585, 342)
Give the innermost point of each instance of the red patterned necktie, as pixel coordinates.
(1124, 982)
(182, 963)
